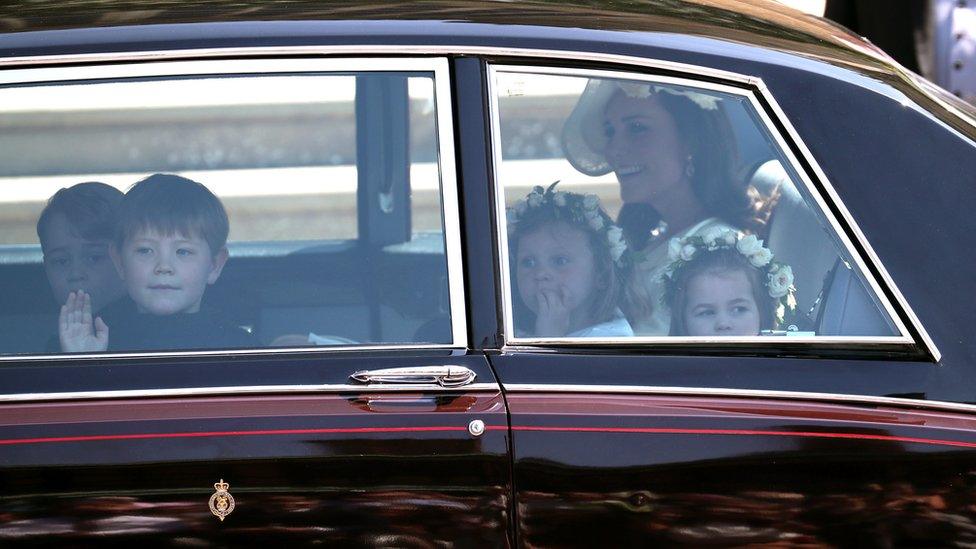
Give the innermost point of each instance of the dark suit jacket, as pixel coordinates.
(899, 27)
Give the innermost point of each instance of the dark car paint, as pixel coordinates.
(365, 469)
(700, 471)
(588, 466)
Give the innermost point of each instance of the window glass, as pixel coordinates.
(653, 208)
(221, 212)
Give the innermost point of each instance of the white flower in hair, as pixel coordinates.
(780, 281)
(761, 258)
(615, 237)
(749, 245)
(703, 100)
(591, 202)
(713, 237)
(571, 207)
(674, 249)
(791, 297)
(617, 251)
(637, 90)
(520, 207)
(684, 251)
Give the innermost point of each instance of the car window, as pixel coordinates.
(226, 208)
(640, 207)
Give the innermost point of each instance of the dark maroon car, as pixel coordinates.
(436, 344)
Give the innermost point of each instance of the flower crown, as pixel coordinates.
(573, 207)
(778, 279)
(640, 90)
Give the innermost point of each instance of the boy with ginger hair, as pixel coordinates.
(170, 244)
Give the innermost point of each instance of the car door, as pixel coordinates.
(358, 414)
(814, 432)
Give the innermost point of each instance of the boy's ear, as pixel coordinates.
(113, 252)
(219, 259)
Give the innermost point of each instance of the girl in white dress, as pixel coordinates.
(565, 255)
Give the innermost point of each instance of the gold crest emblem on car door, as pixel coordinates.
(221, 502)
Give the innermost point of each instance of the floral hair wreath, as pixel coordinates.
(778, 279)
(573, 207)
(640, 90)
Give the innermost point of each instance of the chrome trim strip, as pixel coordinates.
(450, 206)
(246, 390)
(231, 352)
(530, 388)
(904, 338)
(354, 50)
(501, 225)
(849, 219)
(217, 68)
(673, 341)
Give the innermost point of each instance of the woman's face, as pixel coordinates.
(643, 148)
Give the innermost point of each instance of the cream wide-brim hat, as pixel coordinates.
(584, 139)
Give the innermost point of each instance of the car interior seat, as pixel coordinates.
(828, 290)
(847, 309)
(796, 236)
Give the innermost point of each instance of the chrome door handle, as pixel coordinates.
(445, 376)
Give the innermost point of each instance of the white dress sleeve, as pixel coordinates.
(615, 327)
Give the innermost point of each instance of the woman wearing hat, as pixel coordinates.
(674, 155)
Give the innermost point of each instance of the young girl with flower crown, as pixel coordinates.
(565, 255)
(725, 284)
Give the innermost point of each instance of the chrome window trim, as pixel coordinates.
(222, 67)
(440, 70)
(368, 49)
(245, 390)
(672, 341)
(256, 351)
(904, 338)
(450, 205)
(837, 398)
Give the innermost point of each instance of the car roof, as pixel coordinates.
(763, 23)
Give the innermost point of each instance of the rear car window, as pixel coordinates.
(114, 184)
(640, 207)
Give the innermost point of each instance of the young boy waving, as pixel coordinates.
(170, 245)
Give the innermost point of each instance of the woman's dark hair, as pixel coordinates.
(719, 262)
(708, 136)
(637, 219)
(608, 277)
